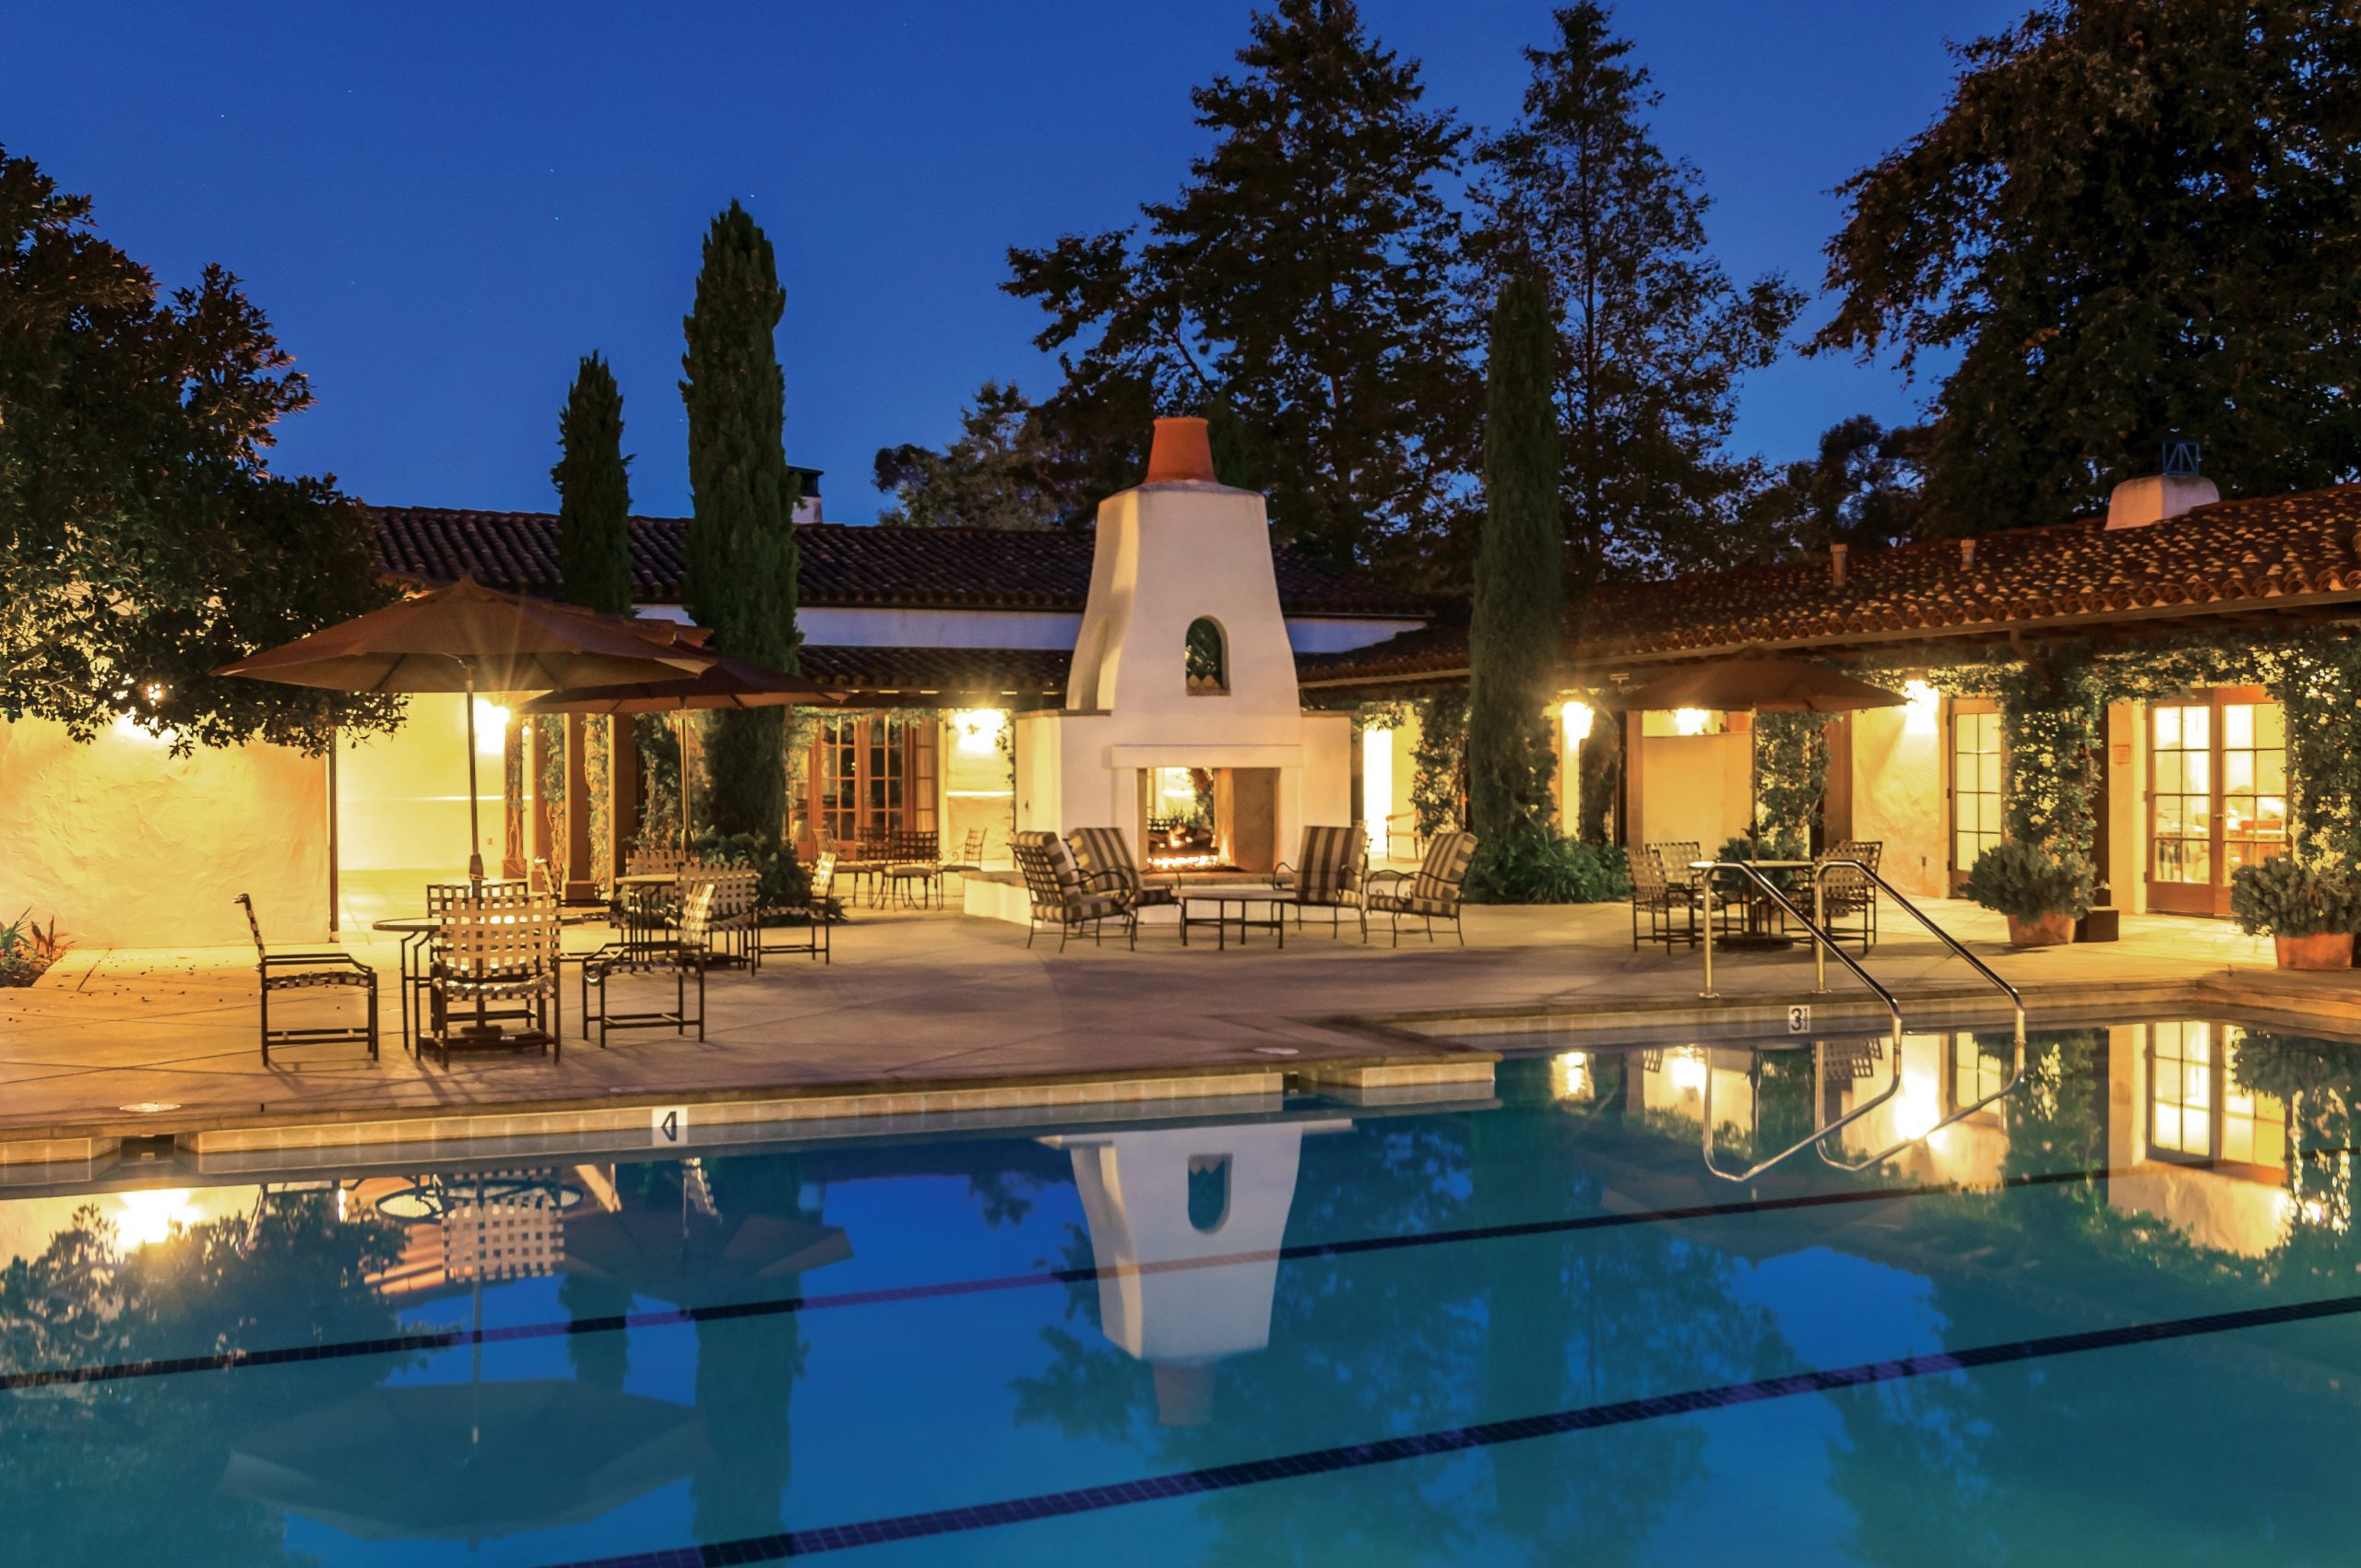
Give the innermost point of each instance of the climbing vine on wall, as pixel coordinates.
(1790, 773)
(2053, 718)
(2317, 678)
(598, 774)
(1438, 765)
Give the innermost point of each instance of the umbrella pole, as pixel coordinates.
(681, 726)
(475, 839)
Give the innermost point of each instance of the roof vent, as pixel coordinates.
(1836, 554)
(2153, 497)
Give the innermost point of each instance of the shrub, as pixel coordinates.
(783, 882)
(2284, 896)
(26, 949)
(2016, 879)
(1544, 867)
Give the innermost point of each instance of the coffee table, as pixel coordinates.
(1273, 902)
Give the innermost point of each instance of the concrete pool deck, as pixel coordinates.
(942, 1011)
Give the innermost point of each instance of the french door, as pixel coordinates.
(872, 774)
(2217, 795)
(1976, 775)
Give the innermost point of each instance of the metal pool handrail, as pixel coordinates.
(2016, 999)
(1866, 1161)
(1819, 1070)
(1819, 935)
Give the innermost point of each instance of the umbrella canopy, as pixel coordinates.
(691, 1259)
(723, 682)
(467, 637)
(462, 1461)
(471, 638)
(1761, 683)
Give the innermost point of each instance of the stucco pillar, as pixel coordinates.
(2127, 789)
(1635, 794)
(623, 772)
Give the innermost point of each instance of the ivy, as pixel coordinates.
(1438, 765)
(2053, 717)
(2317, 678)
(1790, 773)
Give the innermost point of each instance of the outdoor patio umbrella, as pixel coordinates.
(1759, 683)
(724, 683)
(471, 638)
(693, 1259)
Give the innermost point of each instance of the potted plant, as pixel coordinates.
(2042, 895)
(2309, 911)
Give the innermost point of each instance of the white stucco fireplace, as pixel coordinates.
(1182, 665)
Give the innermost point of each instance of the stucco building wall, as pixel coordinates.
(129, 846)
(1898, 796)
(1695, 788)
(403, 797)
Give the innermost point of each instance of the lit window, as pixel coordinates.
(1208, 658)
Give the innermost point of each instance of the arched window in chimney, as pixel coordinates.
(1209, 659)
(1208, 1192)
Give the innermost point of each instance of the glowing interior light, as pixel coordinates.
(1918, 1108)
(145, 1218)
(492, 725)
(1686, 1069)
(1923, 704)
(1570, 1075)
(1377, 788)
(1690, 721)
(1578, 717)
(978, 728)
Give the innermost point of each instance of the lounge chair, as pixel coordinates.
(1328, 873)
(1668, 906)
(495, 962)
(1061, 897)
(312, 970)
(810, 916)
(1105, 857)
(734, 910)
(1429, 894)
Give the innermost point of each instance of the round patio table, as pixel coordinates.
(1274, 901)
(1763, 924)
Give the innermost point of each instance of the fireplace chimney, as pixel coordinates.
(1836, 554)
(2152, 498)
(1180, 454)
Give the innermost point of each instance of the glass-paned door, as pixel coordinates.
(1975, 783)
(872, 774)
(2217, 795)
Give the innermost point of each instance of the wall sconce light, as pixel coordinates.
(492, 725)
(1578, 718)
(1690, 721)
(1923, 704)
(978, 728)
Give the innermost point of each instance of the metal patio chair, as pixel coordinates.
(1429, 894)
(311, 970)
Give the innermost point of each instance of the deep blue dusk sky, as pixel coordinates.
(442, 207)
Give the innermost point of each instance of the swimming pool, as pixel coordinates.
(2108, 1319)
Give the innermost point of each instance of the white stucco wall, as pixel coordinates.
(129, 846)
(1898, 796)
(403, 797)
(2127, 803)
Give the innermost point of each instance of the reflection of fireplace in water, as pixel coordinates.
(1209, 820)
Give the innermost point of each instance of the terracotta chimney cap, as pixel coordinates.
(1180, 454)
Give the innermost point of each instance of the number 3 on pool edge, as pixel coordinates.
(1798, 1019)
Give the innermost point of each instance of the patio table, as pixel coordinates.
(1274, 902)
(417, 932)
(1763, 924)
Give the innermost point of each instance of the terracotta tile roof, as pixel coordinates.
(930, 568)
(2271, 554)
(949, 672)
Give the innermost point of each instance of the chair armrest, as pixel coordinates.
(1114, 878)
(1384, 872)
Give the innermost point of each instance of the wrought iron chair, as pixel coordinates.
(810, 916)
(1104, 857)
(312, 970)
(970, 861)
(653, 935)
(497, 962)
(1429, 894)
(1848, 899)
(1667, 905)
(1061, 897)
(914, 859)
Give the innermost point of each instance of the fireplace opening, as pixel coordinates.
(1209, 821)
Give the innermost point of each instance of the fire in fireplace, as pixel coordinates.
(1175, 845)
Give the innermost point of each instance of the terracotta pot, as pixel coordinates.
(2041, 931)
(2324, 950)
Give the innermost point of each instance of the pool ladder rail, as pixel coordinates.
(1823, 943)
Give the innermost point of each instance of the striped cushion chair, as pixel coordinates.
(1429, 894)
(1328, 873)
(1060, 896)
(1105, 857)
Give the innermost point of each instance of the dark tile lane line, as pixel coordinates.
(1452, 1440)
(447, 1338)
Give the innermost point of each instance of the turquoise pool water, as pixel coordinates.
(2113, 1318)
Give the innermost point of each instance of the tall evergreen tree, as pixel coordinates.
(1653, 336)
(593, 481)
(1515, 636)
(2131, 219)
(1304, 277)
(741, 551)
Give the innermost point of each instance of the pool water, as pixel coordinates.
(2113, 1318)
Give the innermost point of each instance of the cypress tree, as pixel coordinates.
(1514, 634)
(741, 554)
(593, 492)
